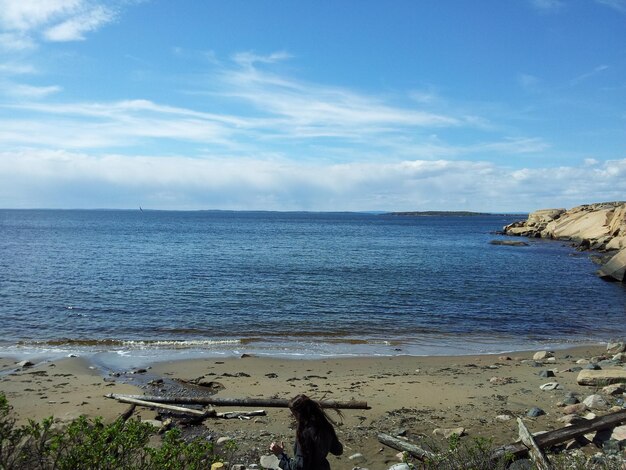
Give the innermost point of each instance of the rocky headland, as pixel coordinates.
(600, 227)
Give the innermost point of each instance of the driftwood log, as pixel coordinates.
(405, 446)
(252, 402)
(552, 438)
(536, 454)
(176, 409)
(240, 414)
(519, 449)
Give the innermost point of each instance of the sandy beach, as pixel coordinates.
(412, 395)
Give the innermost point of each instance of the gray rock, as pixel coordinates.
(600, 378)
(615, 389)
(400, 466)
(595, 402)
(24, 364)
(358, 458)
(546, 374)
(449, 432)
(542, 355)
(521, 464)
(616, 347)
(593, 366)
(534, 412)
(269, 461)
(549, 386)
(615, 269)
(508, 243)
(570, 400)
(224, 440)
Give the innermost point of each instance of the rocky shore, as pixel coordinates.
(600, 227)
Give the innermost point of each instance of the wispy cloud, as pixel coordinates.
(25, 22)
(582, 77)
(619, 5)
(32, 92)
(270, 113)
(548, 5)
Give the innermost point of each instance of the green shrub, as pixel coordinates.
(90, 443)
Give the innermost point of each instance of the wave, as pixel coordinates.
(130, 344)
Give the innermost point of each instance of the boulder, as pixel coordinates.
(615, 268)
(600, 378)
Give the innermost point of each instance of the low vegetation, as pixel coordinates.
(87, 443)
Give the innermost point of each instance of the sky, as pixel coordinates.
(316, 105)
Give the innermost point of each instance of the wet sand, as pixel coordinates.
(412, 394)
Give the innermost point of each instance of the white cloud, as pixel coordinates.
(40, 178)
(74, 29)
(24, 22)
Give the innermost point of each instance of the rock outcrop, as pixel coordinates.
(599, 227)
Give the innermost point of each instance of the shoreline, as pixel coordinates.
(416, 393)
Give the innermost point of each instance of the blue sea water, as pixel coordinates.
(159, 283)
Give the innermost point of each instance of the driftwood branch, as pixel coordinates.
(552, 438)
(252, 402)
(240, 414)
(404, 446)
(127, 413)
(151, 404)
(536, 454)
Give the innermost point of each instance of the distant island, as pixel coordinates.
(440, 213)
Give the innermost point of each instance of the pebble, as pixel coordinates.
(593, 366)
(504, 358)
(534, 412)
(582, 361)
(223, 440)
(575, 409)
(504, 417)
(400, 466)
(546, 373)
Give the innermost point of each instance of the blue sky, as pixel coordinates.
(486, 105)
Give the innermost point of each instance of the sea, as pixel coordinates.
(147, 285)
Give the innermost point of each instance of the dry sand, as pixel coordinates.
(415, 394)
